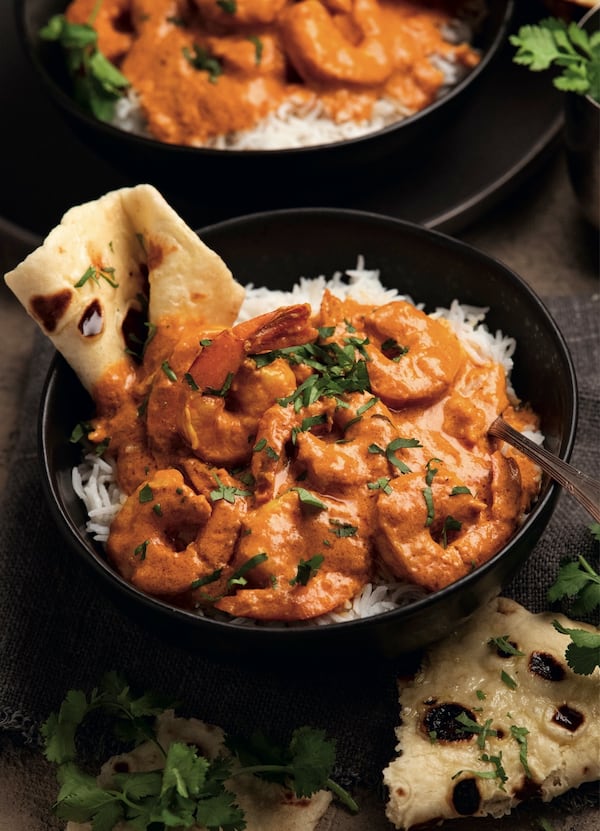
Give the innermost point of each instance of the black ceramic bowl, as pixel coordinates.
(275, 249)
(231, 174)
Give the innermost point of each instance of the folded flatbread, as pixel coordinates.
(482, 729)
(267, 806)
(123, 256)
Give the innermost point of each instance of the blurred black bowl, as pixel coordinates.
(275, 249)
(582, 140)
(232, 175)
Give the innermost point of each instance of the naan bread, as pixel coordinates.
(267, 806)
(131, 244)
(552, 716)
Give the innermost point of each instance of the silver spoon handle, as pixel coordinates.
(585, 489)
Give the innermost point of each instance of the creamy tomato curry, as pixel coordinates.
(207, 68)
(276, 467)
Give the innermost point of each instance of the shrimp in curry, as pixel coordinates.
(206, 71)
(288, 461)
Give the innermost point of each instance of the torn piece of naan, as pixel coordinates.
(495, 716)
(267, 806)
(113, 262)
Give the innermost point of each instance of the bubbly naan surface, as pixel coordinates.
(112, 264)
(482, 730)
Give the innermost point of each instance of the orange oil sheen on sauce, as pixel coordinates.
(276, 467)
(204, 68)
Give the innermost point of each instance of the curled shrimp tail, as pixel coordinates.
(223, 355)
(287, 326)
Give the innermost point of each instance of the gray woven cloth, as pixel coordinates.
(58, 629)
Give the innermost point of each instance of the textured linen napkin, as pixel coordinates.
(58, 630)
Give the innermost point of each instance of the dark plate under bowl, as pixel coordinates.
(275, 249)
(232, 174)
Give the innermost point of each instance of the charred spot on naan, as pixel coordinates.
(112, 271)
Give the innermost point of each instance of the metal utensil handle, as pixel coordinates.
(585, 489)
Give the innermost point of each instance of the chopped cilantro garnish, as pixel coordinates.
(343, 529)
(224, 389)
(397, 444)
(145, 494)
(428, 497)
(307, 569)
(93, 273)
(383, 483)
(227, 492)
(393, 350)
(450, 524)
(458, 489)
(201, 59)
(258, 48)
(431, 471)
(168, 371)
(508, 680)
(309, 500)
(482, 731)
(238, 578)
(520, 734)
(140, 550)
(504, 646)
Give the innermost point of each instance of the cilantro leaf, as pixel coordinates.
(577, 580)
(313, 757)
(189, 789)
(554, 43)
(306, 570)
(220, 812)
(97, 83)
(583, 653)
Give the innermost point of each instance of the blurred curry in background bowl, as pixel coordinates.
(255, 91)
(294, 458)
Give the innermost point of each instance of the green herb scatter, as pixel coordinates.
(189, 789)
(97, 83)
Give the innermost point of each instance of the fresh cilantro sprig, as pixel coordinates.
(578, 582)
(189, 789)
(556, 43)
(97, 83)
(134, 716)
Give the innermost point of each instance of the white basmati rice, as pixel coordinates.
(94, 480)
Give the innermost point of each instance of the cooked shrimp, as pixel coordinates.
(275, 435)
(152, 539)
(289, 531)
(326, 50)
(328, 458)
(477, 397)
(225, 395)
(412, 357)
(242, 13)
(433, 535)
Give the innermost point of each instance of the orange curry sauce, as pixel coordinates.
(207, 68)
(276, 467)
